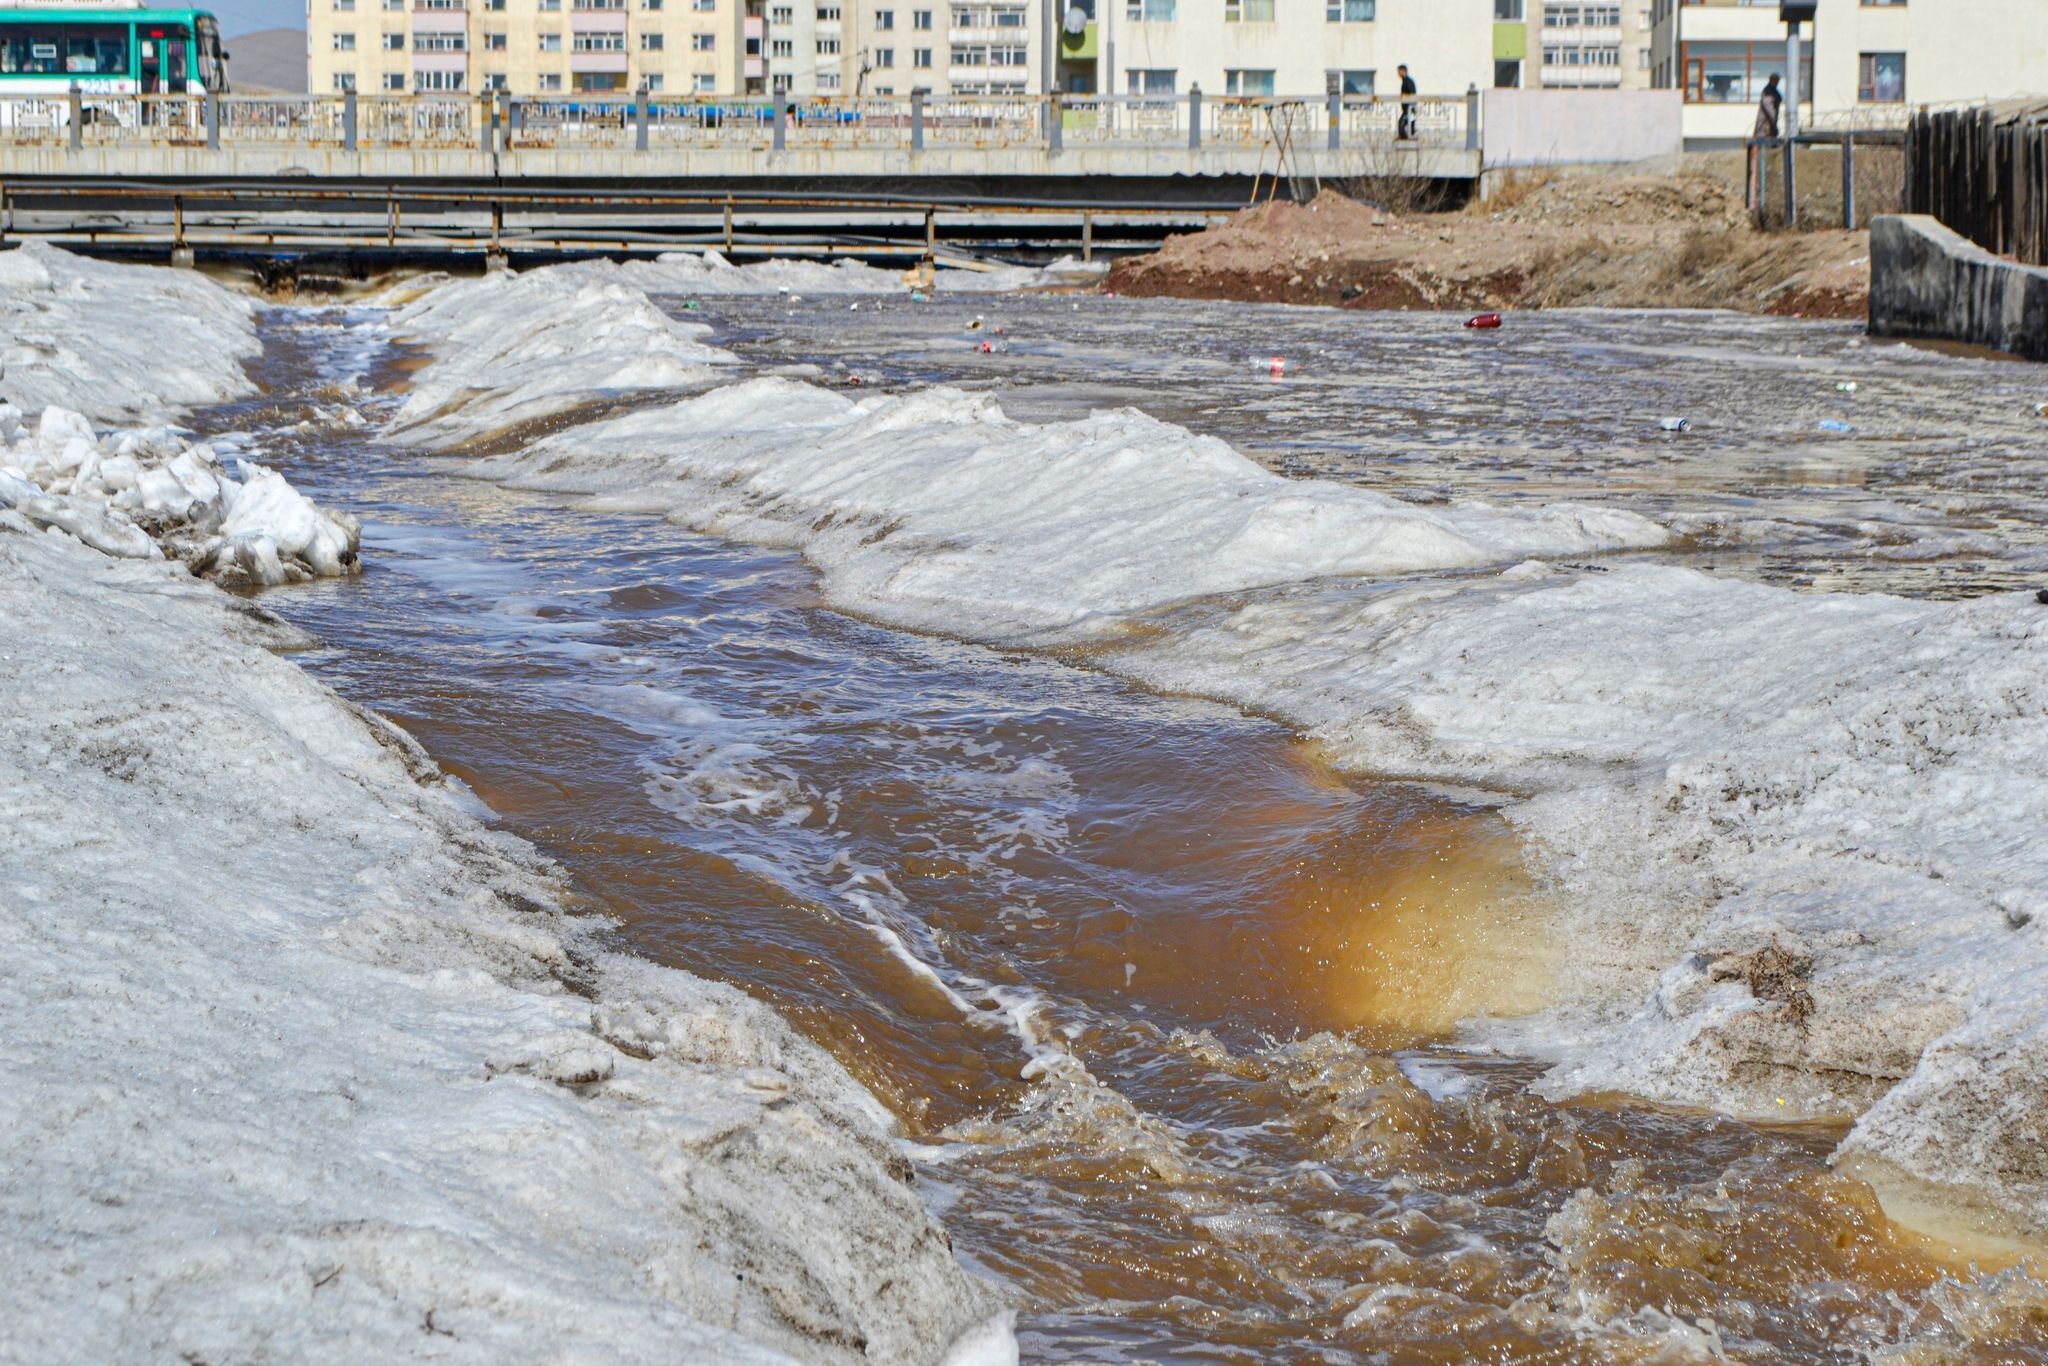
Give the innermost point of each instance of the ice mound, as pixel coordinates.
(308, 1065)
(513, 348)
(711, 274)
(145, 493)
(123, 343)
(935, 510)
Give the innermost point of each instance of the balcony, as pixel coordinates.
(440, 21)
(585, 63)
(598, 21)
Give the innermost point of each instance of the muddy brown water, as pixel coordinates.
(1158, 996)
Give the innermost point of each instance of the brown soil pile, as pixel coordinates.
(1588, 240)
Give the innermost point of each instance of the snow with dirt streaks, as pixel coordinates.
(124, 343)
(935, 510)
(304, 1063)
(1791, 840)
(511, 349)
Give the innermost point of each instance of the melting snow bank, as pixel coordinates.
(511, 349)
(1792, 840)
(124, 343)
(144, 493)
(303, 1062)
(934, 510)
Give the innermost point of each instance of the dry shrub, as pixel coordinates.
(1511, 189)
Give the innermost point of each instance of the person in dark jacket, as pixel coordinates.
(1768, 109)
(1404, 128)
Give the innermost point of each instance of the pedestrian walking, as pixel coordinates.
(1404, 129)
(1768, 109)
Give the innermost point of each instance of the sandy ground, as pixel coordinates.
(1650, 237)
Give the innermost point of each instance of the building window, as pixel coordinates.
(828, 14)
(703, 42)
(550, 42)
(1507, 75)
(885, 20)
(1507, 11)
(970, 56)
(344, 6)
(1238, 82)
(782, 47)
(921, 19)
(1359, 83)
(782, 14)
(704, 6)
(1247, 11)
(438, 80)
(779, 84)
(494, 42)
(885, 56)
(600, 80)
(921, 57)
(1009, 18)
(650, 4)
(344, 42)
(1149, 81)
(596, 42)
(550, 80)
(394, 80)
(828, 82)
(394, 42)
(1733, 73)
(440, 42)
(1006, 56)
(1149, 11)
(828, 47)
(551, 4)
(344, 81)
(1346, 11)
(650, 42)
(1873, 4)
(1881, 77)
(496, 80)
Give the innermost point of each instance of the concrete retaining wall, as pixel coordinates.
(1926, 281)
(1561, 127)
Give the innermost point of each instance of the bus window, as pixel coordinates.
(98, 51)
(32, 49)
(176, 44)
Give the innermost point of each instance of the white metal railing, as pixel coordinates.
(629, 122)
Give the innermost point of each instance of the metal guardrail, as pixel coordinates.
(497, 122)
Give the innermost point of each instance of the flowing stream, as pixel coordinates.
(1123, 963)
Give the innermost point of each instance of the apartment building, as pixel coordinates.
(890, 47)
(1864, 63)
(527, 47)
(1289, 47)
(1572, 44)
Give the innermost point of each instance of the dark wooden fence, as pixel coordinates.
(1984, 173)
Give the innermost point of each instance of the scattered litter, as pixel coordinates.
(782, 289)
(1835, 424)
(2041, 410)
(988, 348)
(1847, 386)
(1484, 320)
(1676, 424)
(2041, 596)
(998, 329)
(691, 305)
(1280, 366)
(974, 326)
(853, 308)
(918, 296)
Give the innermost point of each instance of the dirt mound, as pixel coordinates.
(1589, 201)
(1619, 241)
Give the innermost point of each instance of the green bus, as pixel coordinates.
(106, 51)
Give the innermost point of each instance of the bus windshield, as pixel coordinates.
(213, 67)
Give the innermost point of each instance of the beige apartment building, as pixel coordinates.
(1572, 44)
(1864, 63)
(806, 48)
(527, 47)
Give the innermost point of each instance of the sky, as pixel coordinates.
(247, 16)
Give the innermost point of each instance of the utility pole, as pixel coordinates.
(1794, 13)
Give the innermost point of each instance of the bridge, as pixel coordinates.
(868, 175)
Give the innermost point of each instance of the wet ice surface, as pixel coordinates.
(1084, 940)
(1939, 488)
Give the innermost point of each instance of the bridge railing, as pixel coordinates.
(629, 123)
